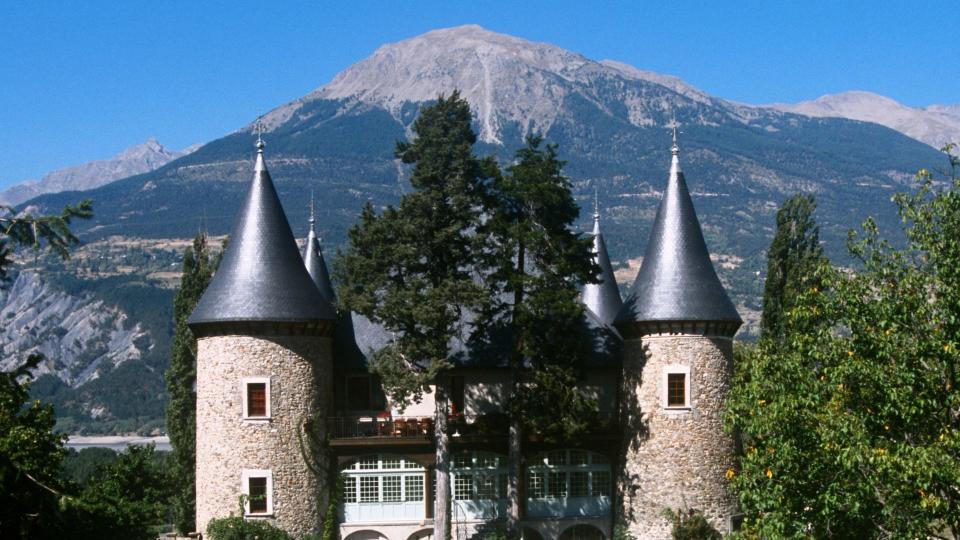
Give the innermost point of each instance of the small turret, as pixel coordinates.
(313, 261)
(603, 299)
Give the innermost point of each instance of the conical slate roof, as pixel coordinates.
(313, 261)
(603, 299)
(262, 277)
(677, 281)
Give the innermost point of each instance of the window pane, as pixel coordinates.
(558, 457)
(391, 489)
(369, 489)
(463, 487)
(462, 461)
(391, 463)
(598, 459)
(675, 389)
(413, 488)
(556, 484)
(535, 487)
(368, 463)
(579, 484)
(257, 491)
(256, 399)
(410, 464)
(578, 457)
(358, 393)
(350, 489)
(488, 461)
(486, 486)
(601, 483)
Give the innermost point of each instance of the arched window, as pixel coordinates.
(565, 483)
(381, 487)
(582, 532)
(479, 485)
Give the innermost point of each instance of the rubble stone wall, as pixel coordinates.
(299, 369)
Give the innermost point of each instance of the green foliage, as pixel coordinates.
(30, 455)
(237, 528)
(409, 268)
(80, 467)
(620, 532)
(793, 257)
(537, 263)
(33, 231)
(851, 423)
(691, 525)
(198, 268)
(331, 520)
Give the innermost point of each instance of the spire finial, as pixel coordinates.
(675, 148)
(312, 216)
(596, 202)
(260, 143)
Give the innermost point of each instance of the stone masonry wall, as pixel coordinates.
(675, 459)
(299, 368)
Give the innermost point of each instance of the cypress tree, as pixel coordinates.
(794, 254)
(410, 268)
(198, 268)
(537, 264)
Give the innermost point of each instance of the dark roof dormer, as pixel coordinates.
(262, 278)
(677, 282)
(602, 299)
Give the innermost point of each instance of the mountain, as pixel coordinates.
(935, 125)
(134, 160)
(609, 119)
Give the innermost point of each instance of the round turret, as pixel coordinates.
(263, 374)
(678, 324)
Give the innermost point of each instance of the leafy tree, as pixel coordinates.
(852, 422)
(198, 268)
(537, 262)
(410, 268)
(26, 229)
(794, 254)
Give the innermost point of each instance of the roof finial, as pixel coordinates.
(596, 202)
(312, 217)
(260, 143)
(675, 148)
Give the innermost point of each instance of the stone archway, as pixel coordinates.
(582, 532)
(531, 534)
(425, 534)
(365, 535)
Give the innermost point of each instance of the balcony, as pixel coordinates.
(384, 427)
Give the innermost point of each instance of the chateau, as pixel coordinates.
(275, 361)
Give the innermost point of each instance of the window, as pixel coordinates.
(413, 488)
(350, 489)
(391, 489)
(257, 488)
(676, 387)
(369, 489)
(486, 486)
(358, 393)
(463, 487)
(568, 473)
(579, 484)
(256, 398)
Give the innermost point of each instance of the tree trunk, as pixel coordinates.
(514, 451)
(441, 509)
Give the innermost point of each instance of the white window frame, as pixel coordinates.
(245, 477)
(244, 385)
(664, 394)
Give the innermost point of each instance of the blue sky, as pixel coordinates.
(83, 80)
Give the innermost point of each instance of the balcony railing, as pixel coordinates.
(421, 427)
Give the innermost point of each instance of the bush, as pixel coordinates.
(691, 525)
(236, 528)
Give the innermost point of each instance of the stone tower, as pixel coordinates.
(677, 324)
(263, 373)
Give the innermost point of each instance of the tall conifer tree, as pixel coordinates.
(410, 268)
(198, 268)
(794, 254)
(537, 264)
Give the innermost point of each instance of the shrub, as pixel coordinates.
(236, 528)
